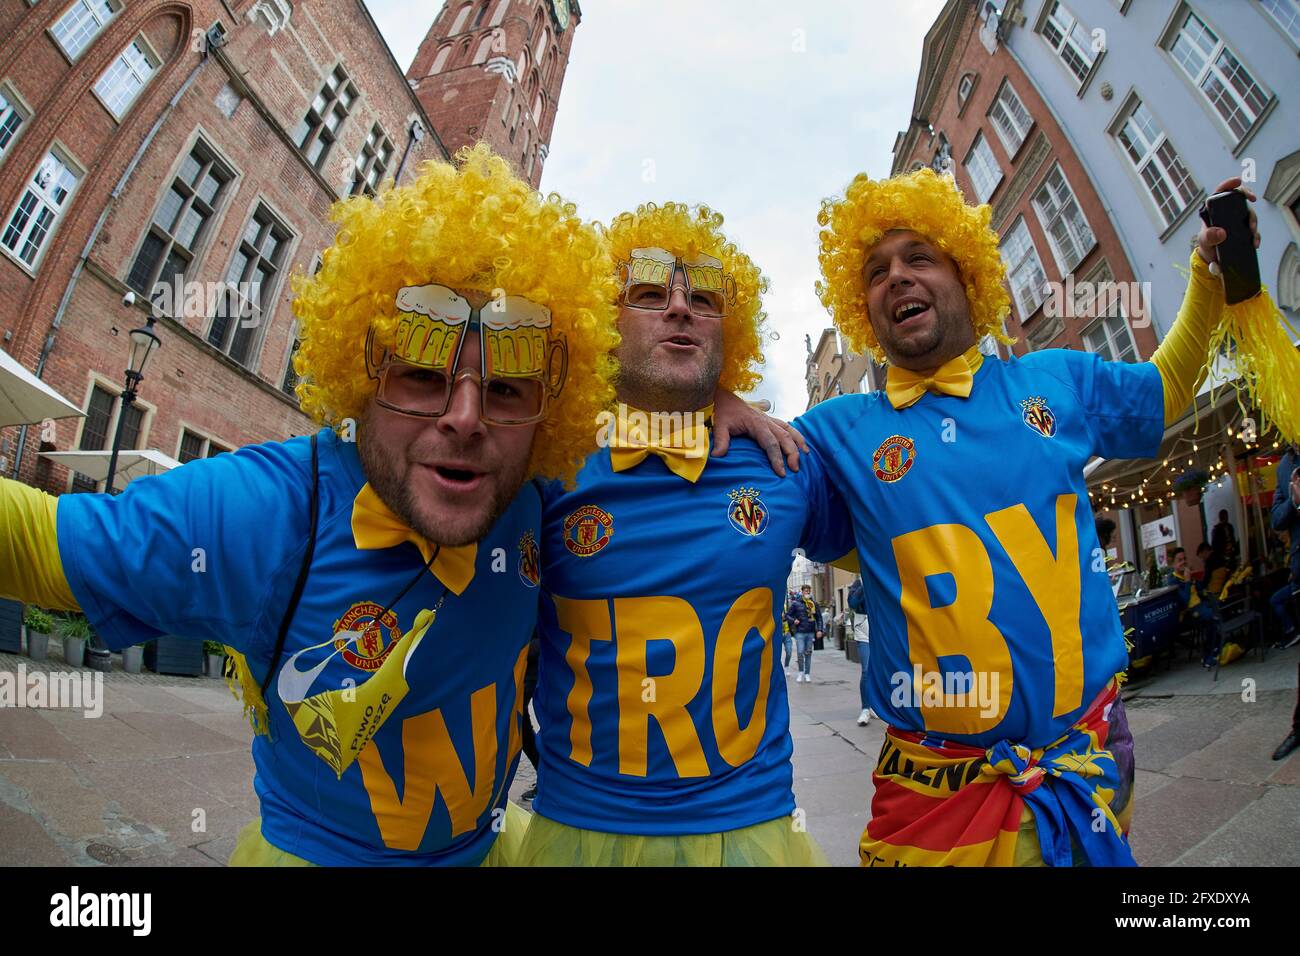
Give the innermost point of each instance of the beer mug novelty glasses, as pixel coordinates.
(522, 363)
(647, 280)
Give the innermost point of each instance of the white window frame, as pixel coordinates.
(1112, 354)
(1151, 155)
(42, 200)
(148, 410)
(15, 107)
(1208, 70)
(89, 8)
(106, 96)
(1290, 26)
(1020, 272)
(208, 442)
(1084, 241)
(989, 179)
(1066, 26)
(1012, 119)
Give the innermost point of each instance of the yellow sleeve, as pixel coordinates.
(30, 568)
(1181, 357)
(848, 562)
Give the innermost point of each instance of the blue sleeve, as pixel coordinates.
(194, 552)
(1123, 403)
(828, 528)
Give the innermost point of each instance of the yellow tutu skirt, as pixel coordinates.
(252, 849)
(774, 843)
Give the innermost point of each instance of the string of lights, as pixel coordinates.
(1158, 484)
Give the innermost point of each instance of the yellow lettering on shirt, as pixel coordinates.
(431, 765)
(752, 611)
(640, 620)
(960, 628)
(586, 621)
(1055, 586)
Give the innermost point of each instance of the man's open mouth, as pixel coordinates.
(909, 309)
(455, 478)
(684, 341)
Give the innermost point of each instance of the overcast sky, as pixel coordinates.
(757, 107)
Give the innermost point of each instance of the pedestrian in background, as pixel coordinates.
(801, 613)
(861, 635)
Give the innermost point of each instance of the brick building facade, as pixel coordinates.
(148, 142)
(492, 70)
(977, 115)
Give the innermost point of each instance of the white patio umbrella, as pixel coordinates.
(131, 463)
(25, 399)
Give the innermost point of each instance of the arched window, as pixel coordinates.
(482, 12)
(539, 105)
(542, 42)
(510, 101)
(461, 17)
(484, 48)
(440, 60)
(964, 87)
(463, 56)
(548, 71)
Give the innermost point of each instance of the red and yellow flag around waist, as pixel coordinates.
(939, 803)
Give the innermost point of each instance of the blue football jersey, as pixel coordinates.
(660, 695)
(211, 551)
(991, 612)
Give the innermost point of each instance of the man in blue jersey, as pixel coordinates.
(664, 721)
(352, 572)
(996, 642)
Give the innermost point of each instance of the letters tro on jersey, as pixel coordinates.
(211, 551)
(977, 541)
(660, 697)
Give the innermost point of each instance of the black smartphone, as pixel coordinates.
(1237, 260)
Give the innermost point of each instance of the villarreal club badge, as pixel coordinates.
(746, 511)
(894, 458)
(588, 530)
(1039, 416)
(530, 559)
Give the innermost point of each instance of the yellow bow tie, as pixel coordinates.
(903, 387)
(375, 526)
(684, 448)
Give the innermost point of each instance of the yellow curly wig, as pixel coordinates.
(923, 202)
(687, 231)
(471, 225)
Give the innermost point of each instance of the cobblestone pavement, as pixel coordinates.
(164, 777)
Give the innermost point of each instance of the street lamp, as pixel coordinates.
(143, 344)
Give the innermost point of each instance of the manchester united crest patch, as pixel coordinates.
(530, 559)
(894, 458)
(746, 511)
(588, 530)
(377, 639)
(1038, 415)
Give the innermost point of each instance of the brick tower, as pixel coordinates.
(492, 70)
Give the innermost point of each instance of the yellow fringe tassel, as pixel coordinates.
(1255, 338)
(247, 691)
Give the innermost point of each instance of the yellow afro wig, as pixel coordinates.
(925, 203)
(688, 231)
(472, 225)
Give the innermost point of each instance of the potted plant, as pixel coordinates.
(38, 625)
(75, 630)
(1191, 484)
(133, 658)
(215, 657)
